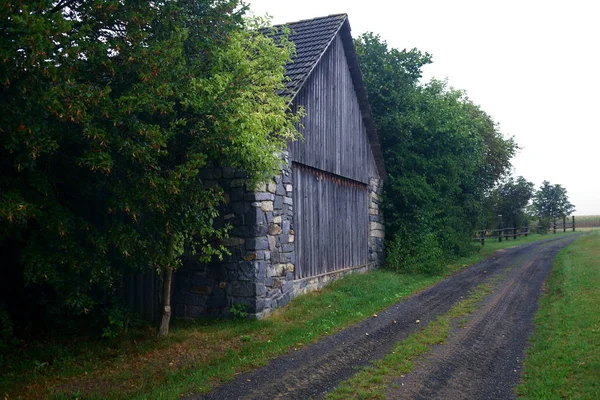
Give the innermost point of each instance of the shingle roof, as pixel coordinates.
(311, 37)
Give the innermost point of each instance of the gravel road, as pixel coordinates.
(481, 360)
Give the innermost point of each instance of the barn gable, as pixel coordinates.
(320, 218)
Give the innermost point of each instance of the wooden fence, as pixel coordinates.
(514, 232)
(500, 234)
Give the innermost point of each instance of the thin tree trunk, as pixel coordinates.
(163, 329)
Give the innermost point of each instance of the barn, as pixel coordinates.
(320, 218)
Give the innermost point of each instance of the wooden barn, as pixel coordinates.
(320, 218)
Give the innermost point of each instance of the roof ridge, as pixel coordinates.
(311, 19)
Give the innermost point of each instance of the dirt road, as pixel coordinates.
(482, 360)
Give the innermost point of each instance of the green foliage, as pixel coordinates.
(120, 319)
(238, 311)
(441, 151)
(550, 202)
(508, 199)
(110, 110)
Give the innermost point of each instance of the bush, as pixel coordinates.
(416, 254)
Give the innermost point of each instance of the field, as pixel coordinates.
(587, 221)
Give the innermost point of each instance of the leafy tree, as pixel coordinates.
(509, 199)
(550, 202)
(442, 153)
(110, 109)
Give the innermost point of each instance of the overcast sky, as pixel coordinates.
(532, 65)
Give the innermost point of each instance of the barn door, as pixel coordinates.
(331, 222)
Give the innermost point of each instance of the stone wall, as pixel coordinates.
(259, 272)
(376, 228)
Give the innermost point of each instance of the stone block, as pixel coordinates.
(271, 187)
(374, 218)
(240, 173)
(375, 226)
(193, 312)
(374, 211)
(201, 290)
(289, 267)
(270, 217)
(259, 243)
(228, 172)
(233, 241)
(280, 191)
(238, 183)
(277, 219)
(266, 205)
(274, 229)
(285, 226)
(288, 201)
(272, 243)
(278, 202)
(288, 188)
(219, 301)
(287, 287)
(257, 230)
(291, 238)
(237, 194)
(254, 216)
(259, 196)
(287, 247)
(379, 234)
(240, 207)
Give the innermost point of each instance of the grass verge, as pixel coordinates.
(373, 381)
(563, 361)
(197, 356)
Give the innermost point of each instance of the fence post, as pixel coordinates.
(573, 222)
(500, 231)
(564, 224)
(526, 228)
(515, 229)
(554, 226)
(483, 237)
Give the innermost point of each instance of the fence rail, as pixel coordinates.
(514, 232)
(500, 234)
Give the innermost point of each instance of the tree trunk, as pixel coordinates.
(163, 329)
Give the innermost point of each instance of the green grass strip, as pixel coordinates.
(372, 382)
(563, 361)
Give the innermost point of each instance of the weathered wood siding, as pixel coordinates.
(331, 222)
(335, 135)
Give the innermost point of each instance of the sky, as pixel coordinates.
(532, 65)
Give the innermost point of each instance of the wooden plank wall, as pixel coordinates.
(335, 135)
(141, 292)
(331, 222)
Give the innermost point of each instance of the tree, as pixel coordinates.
(509, 199)
(110, 109)
(442, 153)
(551, 202)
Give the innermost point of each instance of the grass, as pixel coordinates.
(563, 361)
(198, 356)
(373, 381)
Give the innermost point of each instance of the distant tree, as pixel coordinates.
(109, 111)
(551, 201)
(442, 153)
(509, 199)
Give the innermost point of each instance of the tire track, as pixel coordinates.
(483, 360)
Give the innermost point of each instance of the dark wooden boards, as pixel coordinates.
(331, 222)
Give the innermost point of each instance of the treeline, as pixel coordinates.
(449, 166)
(443, 153)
